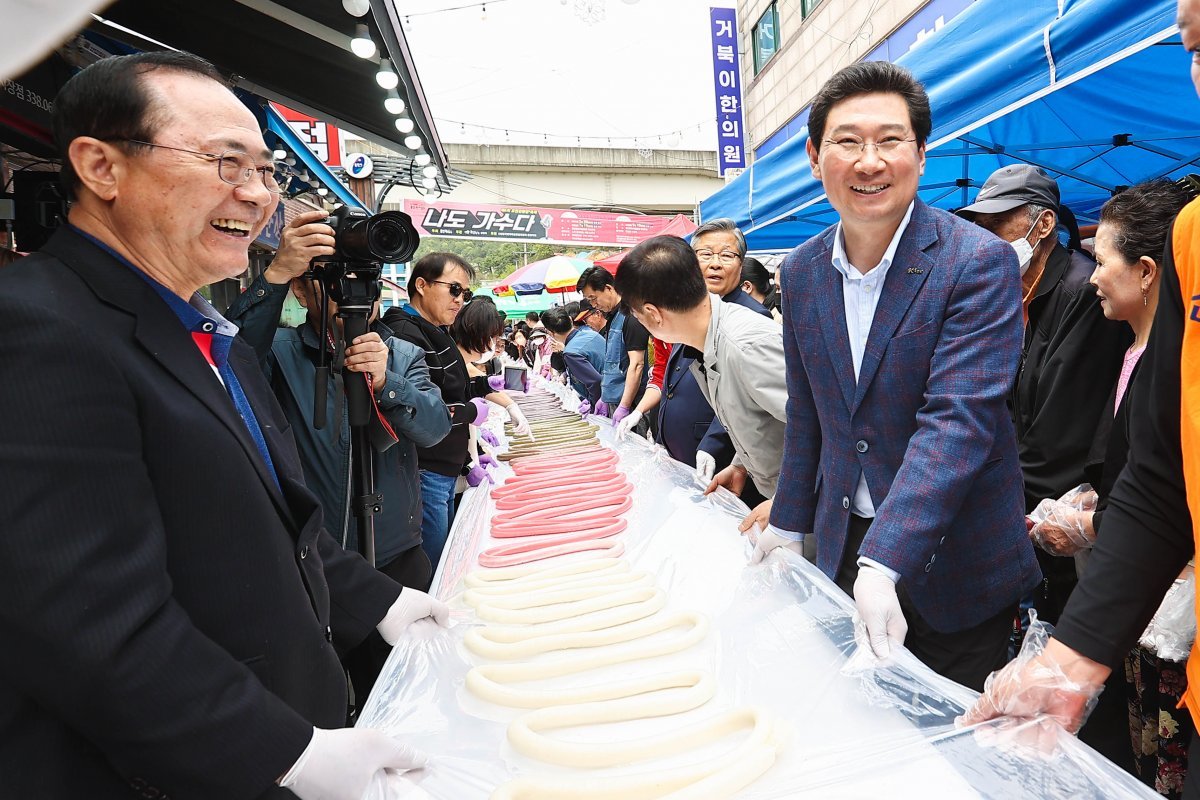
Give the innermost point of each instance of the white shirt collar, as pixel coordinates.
(842, 263)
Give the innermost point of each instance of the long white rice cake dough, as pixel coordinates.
(713, 779)
(535, 571)
(564, 592)
(490, 682)
(604, 627)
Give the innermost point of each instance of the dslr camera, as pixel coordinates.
(387, 237)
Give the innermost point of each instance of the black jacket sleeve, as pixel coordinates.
(1081, 365)
(1147, 534)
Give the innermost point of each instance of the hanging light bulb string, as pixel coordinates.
(645, 139)
(481, 5)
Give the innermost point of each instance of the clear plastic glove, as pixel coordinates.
(477, 475)
(1063, 527)
(621, 413)
(1173, 629)
(340, 764)
(1035, 685)
(585, 408)
(879, 611)
(706, 466)
(481, 410)
(410, 606)
(520, 424)
(767, 540)
(601, 409)
(624, 424)
(496, 383)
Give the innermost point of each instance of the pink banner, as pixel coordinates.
(551, 225)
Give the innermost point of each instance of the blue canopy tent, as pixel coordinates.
(1096, 92)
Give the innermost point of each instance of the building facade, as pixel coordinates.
(791, 47)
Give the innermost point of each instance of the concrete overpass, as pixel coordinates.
(648, 181)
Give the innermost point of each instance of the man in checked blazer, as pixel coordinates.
(902, 329)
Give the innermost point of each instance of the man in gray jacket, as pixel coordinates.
(738, 357)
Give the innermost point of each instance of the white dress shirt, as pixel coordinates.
(860, 291)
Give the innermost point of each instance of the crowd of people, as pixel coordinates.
(965, 420)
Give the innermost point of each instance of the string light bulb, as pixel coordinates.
(421, 159)
(430, 171)
(387, 77)
(413, 142)
(279, 155)
(362, 45)
(428, 183)
(357, 8)
(393, 104)
(404, 125)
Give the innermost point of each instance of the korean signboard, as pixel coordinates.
(321, 137)
(727, 80)
(530, 224)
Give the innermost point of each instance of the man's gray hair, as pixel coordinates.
(1033, 211)
(723, 225)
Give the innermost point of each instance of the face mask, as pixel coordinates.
(1024, 249)
(485, 357)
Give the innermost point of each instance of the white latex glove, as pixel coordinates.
(879, 609)
(706, 466)
(520, 424)
(340, 764)
(626, 424)
(772, 537)
(410, 606)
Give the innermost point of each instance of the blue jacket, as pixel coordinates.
(409, 402)
(926, 421)
(616, 361)
(584, 354)
(686, 422)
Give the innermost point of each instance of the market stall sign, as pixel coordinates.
(528, 223)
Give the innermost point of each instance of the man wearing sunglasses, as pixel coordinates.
(171, 606)
(437, 291)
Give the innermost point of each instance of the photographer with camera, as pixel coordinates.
(408, 412)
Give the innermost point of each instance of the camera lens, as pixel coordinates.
(391, 237)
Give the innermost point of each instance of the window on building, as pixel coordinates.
(807, 6)
(765, 37)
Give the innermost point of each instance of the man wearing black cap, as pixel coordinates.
(1070, 357)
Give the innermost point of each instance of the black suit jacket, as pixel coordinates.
(169, 615)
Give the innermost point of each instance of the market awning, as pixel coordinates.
(1095, 91)
(295, 52)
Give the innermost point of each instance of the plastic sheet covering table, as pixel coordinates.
(782, 638)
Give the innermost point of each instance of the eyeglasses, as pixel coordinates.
(234, 167)
(726, 257)
(456, 290)
(851, 148)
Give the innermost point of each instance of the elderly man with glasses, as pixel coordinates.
(171, 606)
